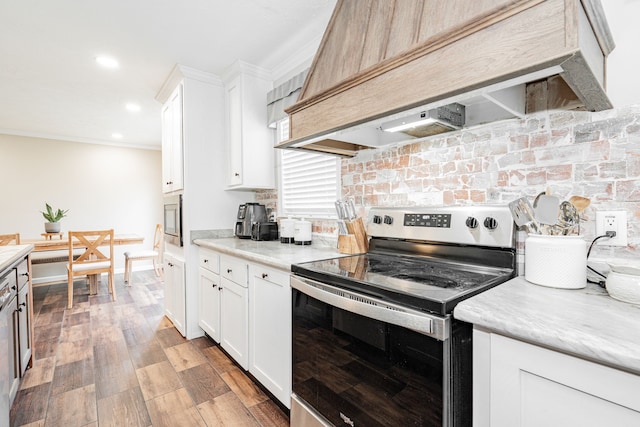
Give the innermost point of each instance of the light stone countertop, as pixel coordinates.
(586, 322)
(270, 253)
(12, 253)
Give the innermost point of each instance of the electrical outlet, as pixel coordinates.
(612, 221)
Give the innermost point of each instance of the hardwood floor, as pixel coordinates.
(122, 363)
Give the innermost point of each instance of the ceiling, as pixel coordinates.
(52, 87)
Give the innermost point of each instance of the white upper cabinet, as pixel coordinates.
(172, 145)
(249, 140)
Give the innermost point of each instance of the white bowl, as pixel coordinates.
(624, 287)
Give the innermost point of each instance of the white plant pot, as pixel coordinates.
(52, 227)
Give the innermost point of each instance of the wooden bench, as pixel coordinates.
(48, 257)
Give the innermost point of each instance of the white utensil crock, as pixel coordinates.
(302, 232)
(556, 261)
(287, 230)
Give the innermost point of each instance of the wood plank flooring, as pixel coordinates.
(122, 363)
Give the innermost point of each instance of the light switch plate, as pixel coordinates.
(612, 221)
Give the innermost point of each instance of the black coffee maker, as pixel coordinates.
(248, 214)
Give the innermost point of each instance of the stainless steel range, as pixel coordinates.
(374, 340)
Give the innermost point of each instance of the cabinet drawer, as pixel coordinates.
(22, 271)
(209, 260)
(234, 270)
(278, 277)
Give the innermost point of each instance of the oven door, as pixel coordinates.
(360, 361)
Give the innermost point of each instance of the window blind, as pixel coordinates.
(309, 183)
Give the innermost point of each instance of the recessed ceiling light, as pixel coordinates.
(133, 107)
(116, 135)
(107, 61)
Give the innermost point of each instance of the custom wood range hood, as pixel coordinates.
(383, 60)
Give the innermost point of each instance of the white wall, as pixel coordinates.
(623, 85)
(102, 186)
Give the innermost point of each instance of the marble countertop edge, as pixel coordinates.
(586, 323)
(270, 253)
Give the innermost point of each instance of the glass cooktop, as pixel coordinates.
(430, 284)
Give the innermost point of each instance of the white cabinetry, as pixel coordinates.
(250, 141)
(207, 203)
(519, 384)
(174, 291)
(270, 330)
(234, 309)
(172, 142)
(24, 316)
(210, 291)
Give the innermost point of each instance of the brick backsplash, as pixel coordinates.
(595, 155)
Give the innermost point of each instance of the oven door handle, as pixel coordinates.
(424, 323)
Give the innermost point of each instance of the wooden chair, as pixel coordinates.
(7, 239)
(154, 254)
(92, 261)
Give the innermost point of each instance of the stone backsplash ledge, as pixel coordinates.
(595, 155)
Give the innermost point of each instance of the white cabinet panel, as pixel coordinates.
(270, 330)
(249, 140)
(534, 386)
(174, 292)
(235, 322)
(210, 303)
(172, 142)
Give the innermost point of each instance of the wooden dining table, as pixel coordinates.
(43, 245)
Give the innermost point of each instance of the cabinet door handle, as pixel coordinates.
(229, 270)
(265, 275)
(206, 261)
(169, 264)
(220, 288)
(25, 274)
(214, 285)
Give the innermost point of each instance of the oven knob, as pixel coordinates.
(472, 222)
(490, 223)
(377, 219)
(388, 219)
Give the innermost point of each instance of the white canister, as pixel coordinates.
(287, 230)
(302, 232)
(623, 281)
(556, 261)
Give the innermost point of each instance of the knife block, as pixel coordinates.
(356, 242)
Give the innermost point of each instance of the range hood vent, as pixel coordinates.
(380, 60)
(428, 123)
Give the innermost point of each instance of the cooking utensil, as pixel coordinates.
(568, 217)
(341, 209)
(523, 215)
(581, 203)
(546, 209)
(351, 209)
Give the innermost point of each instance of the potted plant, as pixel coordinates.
(53, 217)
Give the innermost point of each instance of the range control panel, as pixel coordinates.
(427, 220)
(485, 225)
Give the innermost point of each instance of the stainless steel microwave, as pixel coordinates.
(173, 219)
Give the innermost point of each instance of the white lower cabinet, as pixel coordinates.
(270, 330)
(210, 290)
(174, 292)
(234, 337)
(234, 309)
(520, 384)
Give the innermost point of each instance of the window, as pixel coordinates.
(309, 183)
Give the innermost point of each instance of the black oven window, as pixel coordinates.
(352, 368)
